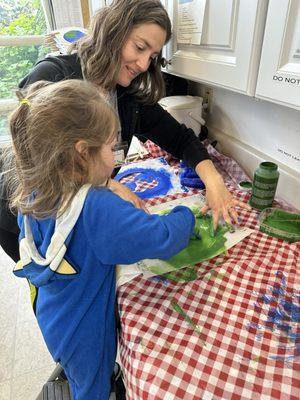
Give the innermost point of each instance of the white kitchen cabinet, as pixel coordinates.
(229, 52)
(279, 71)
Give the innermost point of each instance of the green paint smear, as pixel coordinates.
(189, 320)
(190, 274)
(246, 184)
(184, 275)
(198, 250)
(282, 224)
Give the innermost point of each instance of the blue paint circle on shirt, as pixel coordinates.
(73, 36)
(147, 175)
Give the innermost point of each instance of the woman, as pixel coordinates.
(122, 55)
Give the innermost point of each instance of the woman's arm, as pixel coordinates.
(160, 127)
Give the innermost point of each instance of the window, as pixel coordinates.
(22, 30)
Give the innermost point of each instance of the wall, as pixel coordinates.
(252, 131)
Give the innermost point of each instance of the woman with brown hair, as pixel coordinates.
(122, 55)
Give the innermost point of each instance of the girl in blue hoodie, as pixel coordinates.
(75, 229)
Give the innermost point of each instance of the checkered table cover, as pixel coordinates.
(232, 301)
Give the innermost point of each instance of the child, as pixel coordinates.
(74, 229)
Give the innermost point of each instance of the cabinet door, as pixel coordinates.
(279, 72)
(229, 51)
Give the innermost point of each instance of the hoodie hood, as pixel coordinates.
(39, 270)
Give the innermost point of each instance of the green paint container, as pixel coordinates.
(264, 185)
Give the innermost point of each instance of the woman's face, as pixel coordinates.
(143, 44)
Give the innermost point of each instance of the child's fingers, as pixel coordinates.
(145, 208)
(241, 204)
(226, 212)
(138, 203)
(215, 220)
(234, 215)
(204, 209)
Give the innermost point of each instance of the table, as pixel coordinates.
(231, 333)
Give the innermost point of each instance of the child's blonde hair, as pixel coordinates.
(45, 128)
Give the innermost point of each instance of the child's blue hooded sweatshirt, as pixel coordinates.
(70, 264)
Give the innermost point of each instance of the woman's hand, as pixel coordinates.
(218, 199)
(126, 194)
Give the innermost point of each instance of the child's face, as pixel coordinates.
(102, 164)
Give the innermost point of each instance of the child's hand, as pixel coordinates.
(126, 194)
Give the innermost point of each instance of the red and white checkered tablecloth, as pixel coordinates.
(246, 303)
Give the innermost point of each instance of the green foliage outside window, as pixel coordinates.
(19, 18)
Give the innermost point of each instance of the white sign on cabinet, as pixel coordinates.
(190, 15)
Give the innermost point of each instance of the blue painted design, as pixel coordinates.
(184, 189)
(259, 337)
(282, 311)
(294, 310)
(267, 299)
(161, 279)
(73, 36)
(296, 354)
(189, 178)
(160, 179)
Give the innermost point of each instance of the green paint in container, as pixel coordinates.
(264, 185)
(245, 185)
(281, 224)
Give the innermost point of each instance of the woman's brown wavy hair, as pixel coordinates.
(100, 50)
